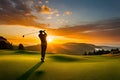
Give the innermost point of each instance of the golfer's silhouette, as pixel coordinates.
(42, 37)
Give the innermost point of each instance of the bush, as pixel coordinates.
(21, 47)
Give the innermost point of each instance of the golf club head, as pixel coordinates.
(23, 36)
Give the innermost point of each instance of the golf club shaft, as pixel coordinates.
(31, 33)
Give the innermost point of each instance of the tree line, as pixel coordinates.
(101, 52)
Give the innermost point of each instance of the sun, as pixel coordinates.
(50, 38)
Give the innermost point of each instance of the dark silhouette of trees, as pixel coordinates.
(21, 47)
(85, 53)
(4, 44)
(101, 52)
(115, 51)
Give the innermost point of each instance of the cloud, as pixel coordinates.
(107, 30)
(28, 13)
(45, 9)
(24, 12)
(46, 2)
(67, 13)
(19, 12)
(49, 17)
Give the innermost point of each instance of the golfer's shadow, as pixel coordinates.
(30, 71)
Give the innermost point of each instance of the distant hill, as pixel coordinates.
(67, 48)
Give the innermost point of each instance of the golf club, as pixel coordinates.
(34, 32)
(31, 33)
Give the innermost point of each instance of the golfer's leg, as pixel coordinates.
(42, 53)
(44, 50)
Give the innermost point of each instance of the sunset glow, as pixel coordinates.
(59, 39)
(50, 39)
(85, 22)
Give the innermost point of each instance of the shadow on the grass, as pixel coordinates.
(39, 73)
(30, 71)
(61, 58)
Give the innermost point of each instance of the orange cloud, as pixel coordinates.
(99, 32)
(68, 13)
(45, 9)
(18, 12)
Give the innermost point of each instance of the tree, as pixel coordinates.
(21, 47)
(85, 53)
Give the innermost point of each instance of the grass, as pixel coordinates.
(17, 65)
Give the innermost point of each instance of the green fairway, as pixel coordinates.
(19, 65)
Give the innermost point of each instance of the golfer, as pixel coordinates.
(42, 35)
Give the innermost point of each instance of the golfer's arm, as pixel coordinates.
(45, 33)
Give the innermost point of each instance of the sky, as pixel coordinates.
(82, 21)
